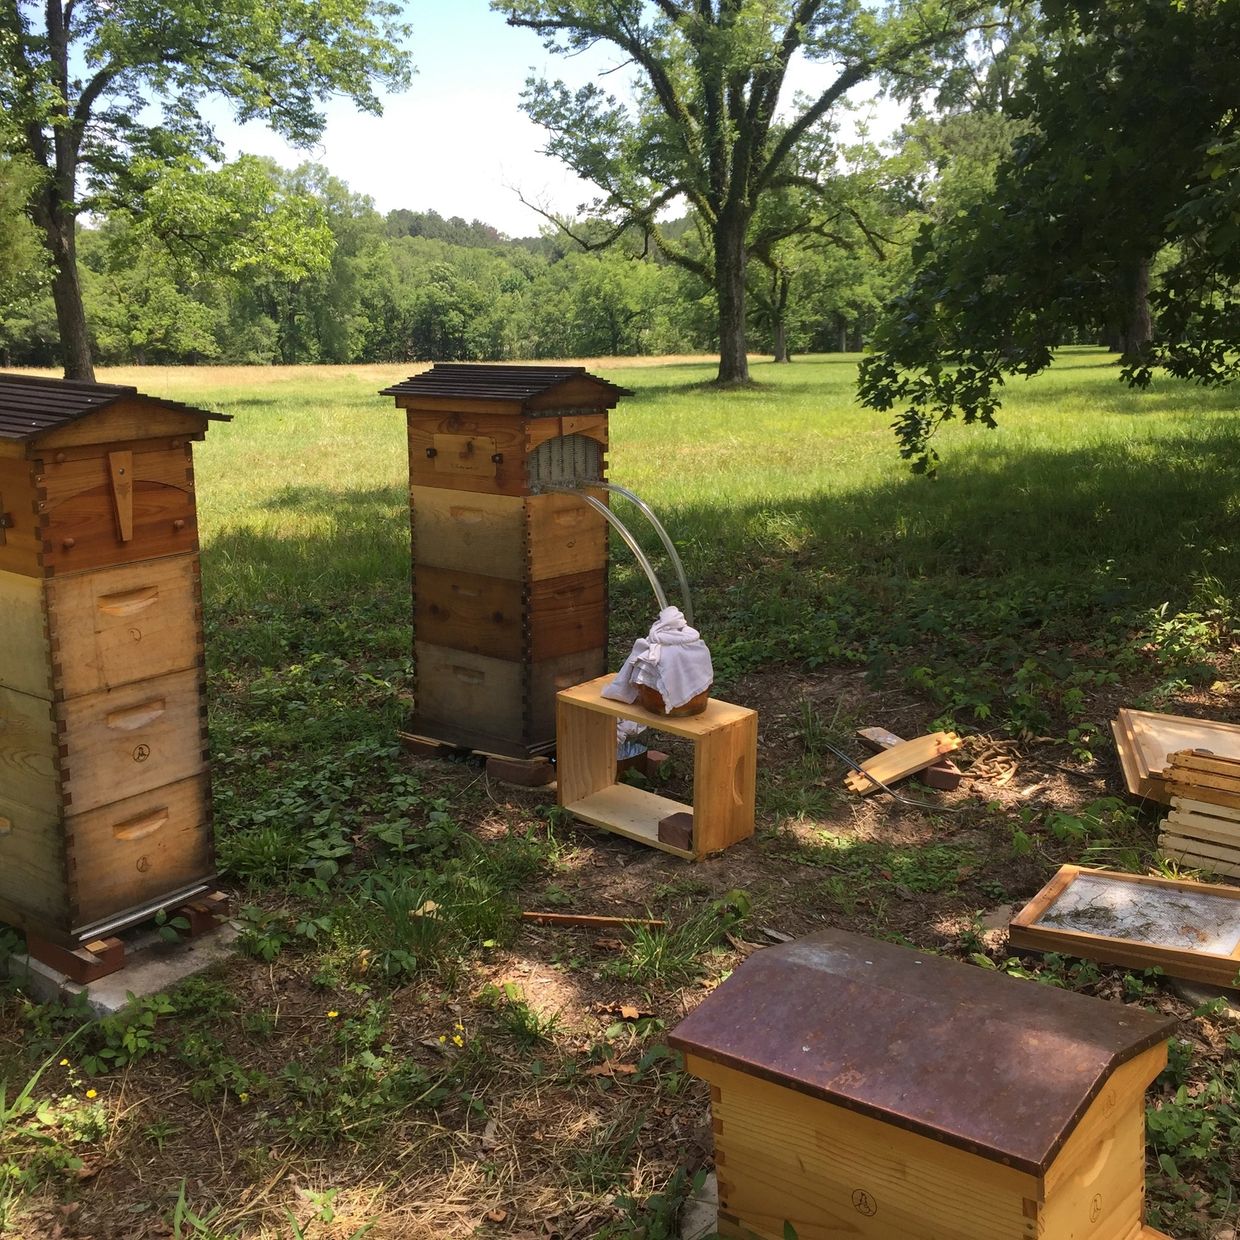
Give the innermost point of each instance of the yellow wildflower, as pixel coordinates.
(457, 1040)
(332, 1014)
(92, 1093)
(244, 1097)
(64, 1063)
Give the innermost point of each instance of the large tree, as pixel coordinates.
(80, 80)
(704, 124)
(1130, 116)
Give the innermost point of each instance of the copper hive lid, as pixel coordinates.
(32, 405)
(487, 381)
(996, 1066)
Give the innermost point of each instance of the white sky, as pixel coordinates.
(457, 141)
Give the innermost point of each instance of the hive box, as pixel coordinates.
(860, 1089)
(510, 586)
(104, 793)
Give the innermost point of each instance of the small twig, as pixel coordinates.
(590, 922)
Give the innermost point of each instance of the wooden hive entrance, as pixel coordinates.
(104, 792)
(510, 586)
(860, 1089)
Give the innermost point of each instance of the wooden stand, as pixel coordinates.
(725, 763)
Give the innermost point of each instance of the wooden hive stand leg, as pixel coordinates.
(204, 914)
(585, 751)
(86, 964)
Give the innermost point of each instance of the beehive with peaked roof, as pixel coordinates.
(104, 796)
(509, 580)
(864, 1089)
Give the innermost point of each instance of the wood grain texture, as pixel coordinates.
(901, 760)
(1189, 805)
(506, 436)
(631, 812)
(1198, 826)
(471, 692)
(28, 752)
(58, 482)
(725, 773)
(1152, 738)
(130, 740)
(125, 420)
(25, 658)
(718, 714)
(835, 1175)
(135, 850)
(568, 614)
(549, 677)
(33, 890)
(23, 543)
(585, 752)
(469, 532)
(80, 533)
(116, 626)
(565, 535)
(469, 611)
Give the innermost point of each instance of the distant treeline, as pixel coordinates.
(411, 285)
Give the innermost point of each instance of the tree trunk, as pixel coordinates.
(730, 290)
(856, 338)
(1131, 329)
(779, 310)
(781, 342)
(59, 238)
(841, 334)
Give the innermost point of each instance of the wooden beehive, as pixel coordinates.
(510, 585)
(104, 791)
(861, 1089)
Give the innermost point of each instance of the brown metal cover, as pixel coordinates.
(31, 405)
(997, 1066)
(487, 381)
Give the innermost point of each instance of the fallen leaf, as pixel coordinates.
(496, 1216)
(610, 1068)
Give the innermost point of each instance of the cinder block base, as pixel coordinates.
(151, 966)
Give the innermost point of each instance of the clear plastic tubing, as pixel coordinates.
(569, 488)
(670, 546)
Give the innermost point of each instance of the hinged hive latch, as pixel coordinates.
(120, 470)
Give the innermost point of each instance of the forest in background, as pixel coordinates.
(317, 274)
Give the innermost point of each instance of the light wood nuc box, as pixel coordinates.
(104, 790)
(864, 1091)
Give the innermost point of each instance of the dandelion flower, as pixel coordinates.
(92, 1093)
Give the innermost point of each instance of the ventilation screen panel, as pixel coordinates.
(570, 458)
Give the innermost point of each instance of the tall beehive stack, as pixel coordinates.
(1203, 828)
(510, 586)
(104, 791)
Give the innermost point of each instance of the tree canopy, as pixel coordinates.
(96, 92)
(1129, 147)
(705, 124)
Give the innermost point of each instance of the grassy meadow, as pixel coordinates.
(359, 1069)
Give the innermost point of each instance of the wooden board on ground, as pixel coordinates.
(901, 761)
(944, 775)
(1189, 930)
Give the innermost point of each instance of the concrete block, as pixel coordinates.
(699, 1216)
(151, 967)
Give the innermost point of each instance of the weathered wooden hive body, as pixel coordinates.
(510, 585)
(860, 1089)
(104, 792)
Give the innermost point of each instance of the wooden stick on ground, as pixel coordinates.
(589, 922)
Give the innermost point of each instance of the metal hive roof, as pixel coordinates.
(993, 1065)
(486, 381)
(31, 405)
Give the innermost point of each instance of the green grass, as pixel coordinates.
(1081, 556)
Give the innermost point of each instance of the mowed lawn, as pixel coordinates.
(360, 1065)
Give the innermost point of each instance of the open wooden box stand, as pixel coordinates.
(725, 764)
(865, 1091)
